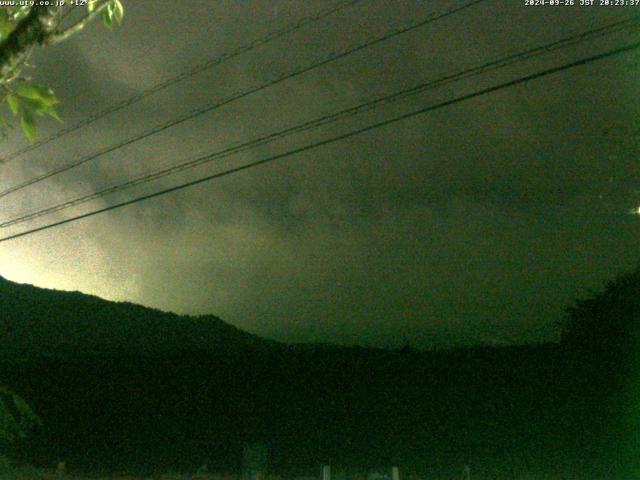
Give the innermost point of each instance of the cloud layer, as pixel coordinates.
(476, 223)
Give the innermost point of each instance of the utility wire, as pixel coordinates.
(469, 96)
(212, 62)
(511, 59)
(236, 96)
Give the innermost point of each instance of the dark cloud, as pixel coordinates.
(478, 222)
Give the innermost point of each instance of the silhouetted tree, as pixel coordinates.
(606, 323)
(601, 337)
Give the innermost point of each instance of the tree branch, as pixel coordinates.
(34, 29)
(59, 36)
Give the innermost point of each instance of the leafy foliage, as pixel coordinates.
(114, 12)
(10, 16)
(30, 100)
(16, 417)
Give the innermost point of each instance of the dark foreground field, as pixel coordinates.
(193, 392)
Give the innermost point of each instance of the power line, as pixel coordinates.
(212, 62)
(326, 119)
(337, 138)
(159, 128)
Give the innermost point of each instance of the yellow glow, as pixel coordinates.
(16, 271)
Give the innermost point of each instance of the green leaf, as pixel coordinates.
(28, 417)
(6, 27)
(35, 106)
(16, 417)
(107, 16)
(113, 12)
(28, 125)
(53, 114)
(118, 11)
(36, 92)
(39, 109)
(14, 103)
(91, 6)
(4, 131)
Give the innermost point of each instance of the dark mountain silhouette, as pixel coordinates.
(36, 321)
(125, 388)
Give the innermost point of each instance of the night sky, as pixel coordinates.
(475, 223)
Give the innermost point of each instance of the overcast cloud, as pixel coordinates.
(479, 222)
